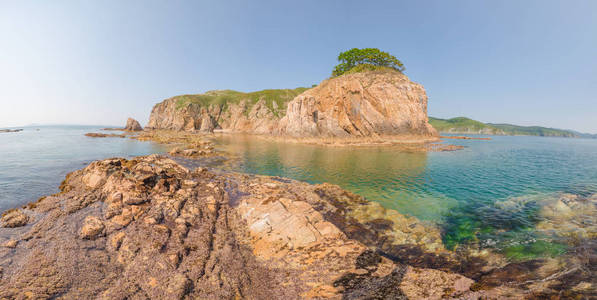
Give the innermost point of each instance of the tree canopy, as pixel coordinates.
(371, 57)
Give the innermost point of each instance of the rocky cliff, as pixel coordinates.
(256, 112)
(360, 104)
(375, 103)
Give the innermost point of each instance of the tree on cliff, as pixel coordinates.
(366, 59)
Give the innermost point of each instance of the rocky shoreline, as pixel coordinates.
(158, 227)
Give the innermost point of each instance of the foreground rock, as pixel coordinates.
(132, 125)
(361, 105)
(151, 228)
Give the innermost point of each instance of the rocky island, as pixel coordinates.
(378, 105)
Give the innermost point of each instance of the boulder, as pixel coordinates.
(14, 218)
(133, 125)
(92, 228)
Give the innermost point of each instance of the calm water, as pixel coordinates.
(461, 190)
(33, 163)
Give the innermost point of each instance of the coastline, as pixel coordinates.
(405, 257)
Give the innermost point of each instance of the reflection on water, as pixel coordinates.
(462, 191)
(381, 173)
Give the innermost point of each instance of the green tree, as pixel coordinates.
(370, 58)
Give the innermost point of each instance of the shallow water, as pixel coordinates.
(461, 191)
(34, 162)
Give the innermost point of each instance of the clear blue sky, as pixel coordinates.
(98, 62)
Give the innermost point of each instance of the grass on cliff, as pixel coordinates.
(225, 97)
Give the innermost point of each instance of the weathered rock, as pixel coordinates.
(362, 105)
(14, 218)
(369, 104)
(237, 117)
(10, 244)
(132, 125)
(92, 227)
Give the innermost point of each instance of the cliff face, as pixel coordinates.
(365, 104)
(362, 105)
(256, 112)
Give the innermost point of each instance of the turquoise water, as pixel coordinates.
(34, 162)
(461, 191)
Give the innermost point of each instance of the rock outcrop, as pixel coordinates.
(368, 104)
(132, 125)
(376, 103)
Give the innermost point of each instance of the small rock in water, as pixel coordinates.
(133, 125)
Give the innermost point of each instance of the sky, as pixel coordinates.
(99, 62)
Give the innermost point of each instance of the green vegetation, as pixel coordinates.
(460, 124)
(367, 59)
(225, 97)
(534, 250)
(466, 125)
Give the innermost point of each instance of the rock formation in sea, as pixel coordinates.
(366, 104)
(132, 125)
(360, 104)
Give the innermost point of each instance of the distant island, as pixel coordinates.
(462, 125)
